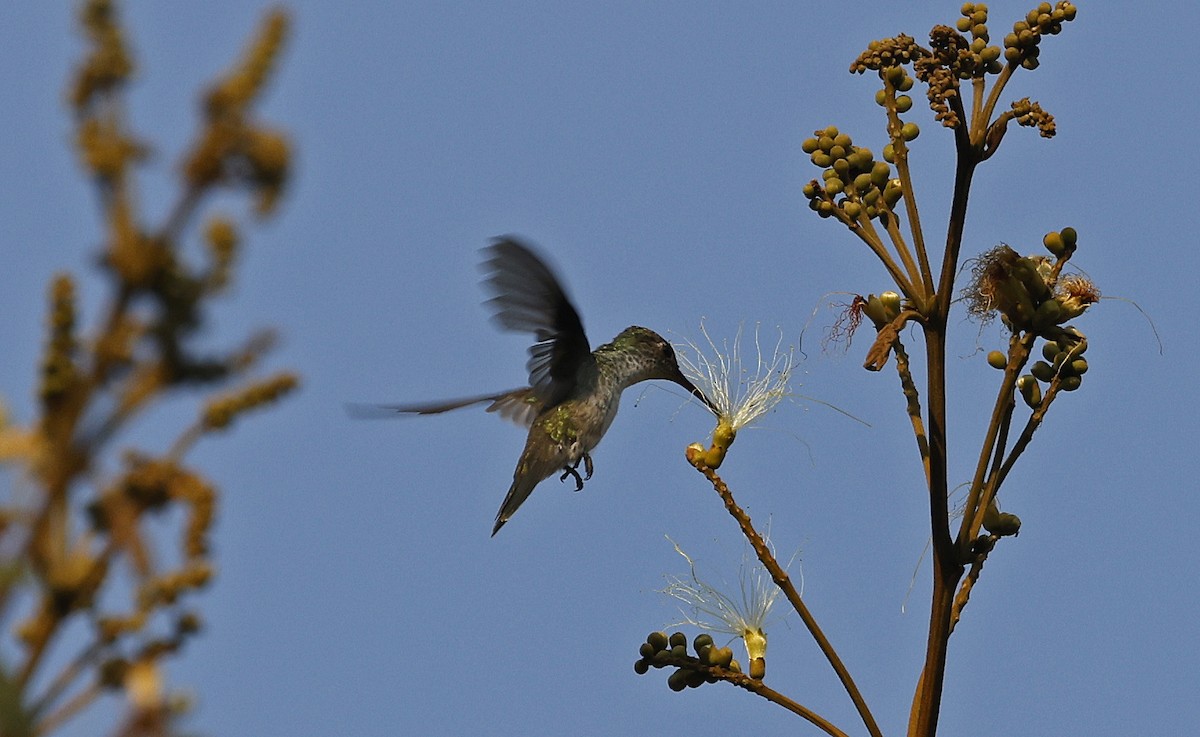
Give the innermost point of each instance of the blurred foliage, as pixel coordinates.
(80, 545)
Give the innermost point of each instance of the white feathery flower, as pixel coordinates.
(710, 609)
(740, 394)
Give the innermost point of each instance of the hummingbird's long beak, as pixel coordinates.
(682, 380)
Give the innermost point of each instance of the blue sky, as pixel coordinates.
(653, 151)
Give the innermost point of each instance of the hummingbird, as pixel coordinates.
(573, 391)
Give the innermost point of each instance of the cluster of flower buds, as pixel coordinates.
(854, 182)
(1021, 46)
(1026, 290)
(1064, 363)
(897, 79)
(984, 58)
(1031, 115)
(661, 651)
(888, 52)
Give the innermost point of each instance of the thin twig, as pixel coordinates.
(753, 685)
(784, 582)
(76, 704)
(67, 676)
(968, 583)
(912, 403)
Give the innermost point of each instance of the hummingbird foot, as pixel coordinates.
(570, 471)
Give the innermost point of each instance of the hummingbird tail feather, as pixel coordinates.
(522, 487)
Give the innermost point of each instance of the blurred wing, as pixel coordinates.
(529, 299)
(519, 406)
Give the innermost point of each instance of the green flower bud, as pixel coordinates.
(678, 638)
(641, 667)
(891, 304)
(677, 681)
(1042, 371)
(702, 640)
(1069, 236)
(880, 174)
(831, 131)
(724, 657)
(1050, 349)
(910, 131)
(712, 655)
(1026, 270)
(881, 98)
(825, 143)
(905, 84)
(758, 668)
(821, 159)
(1048, 313)
(1079, 366)
(889, 154)
(1054, 243)
(892, 192)
(679, 651)
(834, 186)
(904, 104)
(862, 182)
(1070, 383)
(1000, 523)
(657, 640)
(997, 360)
(874, 311)
(842, 139)
(1031, 390)
(809, 145)
(646, 650)
(852, 210)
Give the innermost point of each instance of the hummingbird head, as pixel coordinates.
(650, 356)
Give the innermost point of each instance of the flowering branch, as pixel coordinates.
(784, 582)
(697, 670)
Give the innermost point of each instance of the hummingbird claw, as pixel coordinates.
(569, 471)
(572, 470)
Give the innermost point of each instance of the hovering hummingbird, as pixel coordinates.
(573, 391)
